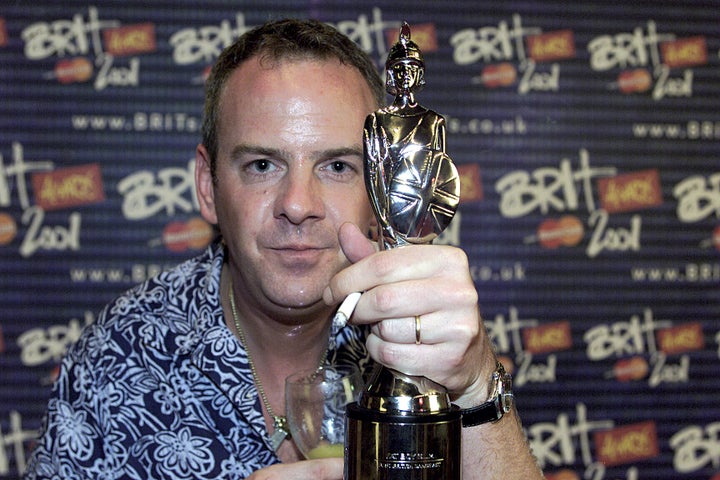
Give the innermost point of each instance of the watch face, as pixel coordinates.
(500, 403)
(505, 392)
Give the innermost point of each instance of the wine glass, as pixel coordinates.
(315, 408)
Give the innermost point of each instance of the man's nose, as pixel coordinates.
(300, 197)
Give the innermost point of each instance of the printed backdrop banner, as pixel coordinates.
(588, 139)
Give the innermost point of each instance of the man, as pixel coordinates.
(183, 376)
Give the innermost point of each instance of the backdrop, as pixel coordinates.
(588, 137)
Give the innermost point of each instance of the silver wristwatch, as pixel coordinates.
(500, 403)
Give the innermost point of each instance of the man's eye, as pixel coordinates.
(261, 165)
(259, 168)
(340, 170)
(339, 167)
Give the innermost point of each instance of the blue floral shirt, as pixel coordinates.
(159, 387)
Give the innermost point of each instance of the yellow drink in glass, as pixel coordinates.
(327, 450)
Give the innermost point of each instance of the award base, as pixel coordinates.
(382, 446)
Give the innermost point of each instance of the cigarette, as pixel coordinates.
(347, 307)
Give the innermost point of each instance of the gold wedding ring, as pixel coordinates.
(417, 330)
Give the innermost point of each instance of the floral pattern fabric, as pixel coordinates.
(159, 387)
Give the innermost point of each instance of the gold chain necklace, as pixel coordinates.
(280, 423)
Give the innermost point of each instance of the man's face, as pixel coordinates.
(289, 173)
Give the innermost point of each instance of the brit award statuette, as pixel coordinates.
(404, 427)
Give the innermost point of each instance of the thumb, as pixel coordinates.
(354, 244)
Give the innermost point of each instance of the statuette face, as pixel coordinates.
(413, 185)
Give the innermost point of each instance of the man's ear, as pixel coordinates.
(205, 185)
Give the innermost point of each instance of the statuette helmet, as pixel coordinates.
(404, 51)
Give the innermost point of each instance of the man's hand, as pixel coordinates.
(320, 469)
(426, 280)
(434, 282)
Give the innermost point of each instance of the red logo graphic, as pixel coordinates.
(551, 46)
(73, 70)
(498, 75)
(627, 444)
(567, 231)
(196, 233)
(547, 338)
(8, 229)
(68, 187)
(681, 338)
(470, 182)
(634, 81)
(423, 34)
(3, 33)
(685, 52)
(130, 39)
(564, 474)
(632, 191)
(629, 369)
